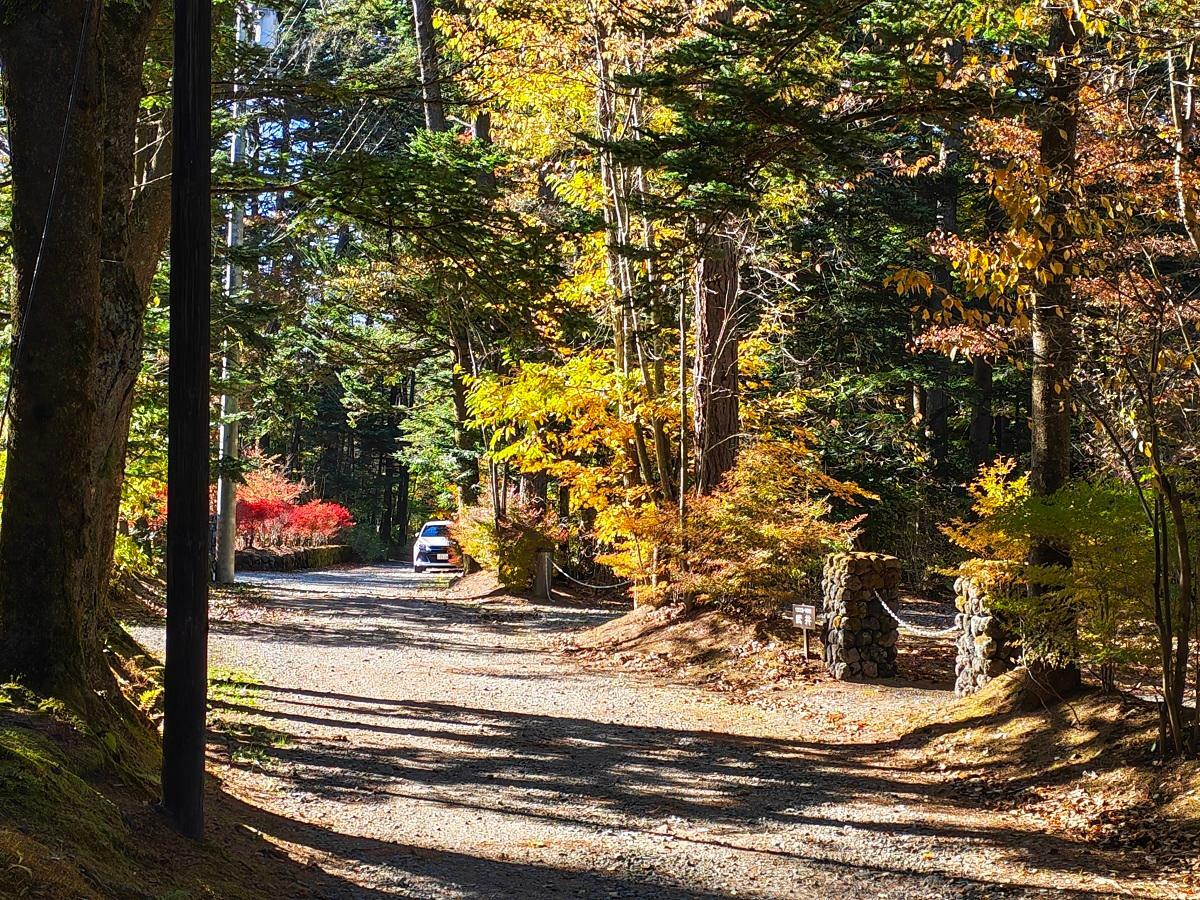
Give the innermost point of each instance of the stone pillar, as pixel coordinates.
(860, 636)
(985, 648)
(543, 574)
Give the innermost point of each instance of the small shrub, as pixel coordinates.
(130, 560)
(316, 522)
(366, 543)
(262, 520)
(266, 478)
(509, 549)
(1100, 608)
(753, 545)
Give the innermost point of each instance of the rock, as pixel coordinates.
(996, 667)
(985, 647)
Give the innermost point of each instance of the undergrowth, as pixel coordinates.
(233, 698)
(78, 801)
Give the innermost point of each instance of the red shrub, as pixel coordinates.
(263, 520)
(267, 479)
(317, 521)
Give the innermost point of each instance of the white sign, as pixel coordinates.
(804, 615)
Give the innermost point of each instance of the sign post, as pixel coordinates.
(804, 615)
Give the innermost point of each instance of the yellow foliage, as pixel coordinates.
(754, 544)
(572, 420)
(1102, 597)
(507, 545)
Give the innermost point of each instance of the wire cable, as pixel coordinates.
(917, 629)
(595, 587)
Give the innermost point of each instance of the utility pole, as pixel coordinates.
(186, 678)
(231, 357)
(264, 36)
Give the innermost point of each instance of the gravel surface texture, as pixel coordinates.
(408, 745)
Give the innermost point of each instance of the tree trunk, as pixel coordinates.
(465, 438)
(385, 514)
(293, 452)
(1053, 339)
(716, 416)
(137, 219)
(73, 387)
(533, 492)
(229, 449)
(937, 417)
(47, 542)
(427, 57)
(1053, 353)
(947, 188)
(403, 516)
(408, 396)
(980, 437)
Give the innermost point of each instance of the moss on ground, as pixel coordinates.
(78, 814)
(233, 697)
(59, 836)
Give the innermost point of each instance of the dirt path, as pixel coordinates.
(414, 747)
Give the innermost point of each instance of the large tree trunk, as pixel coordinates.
(47, 547)
(466, 439)
(716, 416)
(1053, 351)
(137, 220)
(947, 187)
(72, 386)
(1053, 336)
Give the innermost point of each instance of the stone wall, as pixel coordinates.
(985, 649)
(294, 560)
(860, 636)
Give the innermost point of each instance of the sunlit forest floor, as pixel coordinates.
(398, 739)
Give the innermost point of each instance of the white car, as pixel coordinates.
(435, 549)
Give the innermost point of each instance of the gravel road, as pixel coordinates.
(408, 745)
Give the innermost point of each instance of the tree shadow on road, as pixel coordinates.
(386, 869)
(716, 789)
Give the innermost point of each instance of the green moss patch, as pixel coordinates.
(57, 832)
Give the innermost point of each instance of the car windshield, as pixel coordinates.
(435, 531)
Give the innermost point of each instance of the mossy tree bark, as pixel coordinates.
(79, 326)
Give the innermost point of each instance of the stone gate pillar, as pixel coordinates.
(985, 647)
(860, 636)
